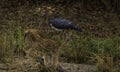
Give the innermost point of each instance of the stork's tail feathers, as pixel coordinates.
(78, 29)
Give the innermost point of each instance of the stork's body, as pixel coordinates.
(61, 24)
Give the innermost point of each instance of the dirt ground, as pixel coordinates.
(78, 67)
(28, 65)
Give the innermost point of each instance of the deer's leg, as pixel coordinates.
(55, 60)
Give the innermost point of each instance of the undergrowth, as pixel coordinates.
(81, 48)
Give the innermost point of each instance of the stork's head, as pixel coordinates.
(32, 35)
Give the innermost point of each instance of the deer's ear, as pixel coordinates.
(25, 36)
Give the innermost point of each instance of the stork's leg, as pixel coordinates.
(67, 35)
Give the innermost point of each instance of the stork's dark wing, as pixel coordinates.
(61, 23)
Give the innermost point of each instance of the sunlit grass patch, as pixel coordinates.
(6, 48)
(11, 41)
(99, 51)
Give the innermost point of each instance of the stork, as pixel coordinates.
(60, 24)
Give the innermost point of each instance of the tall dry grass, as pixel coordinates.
(104, 52)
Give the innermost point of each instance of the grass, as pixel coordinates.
(99, 51)
(103, 52)
(82, 48)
